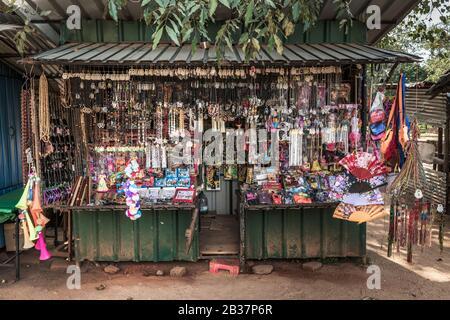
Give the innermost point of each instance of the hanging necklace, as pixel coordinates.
(159, 124)
(44, 113)
(181, 122)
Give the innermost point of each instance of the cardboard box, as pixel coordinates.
(10, 236)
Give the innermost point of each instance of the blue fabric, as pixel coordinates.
(2, 236)
(377, 128)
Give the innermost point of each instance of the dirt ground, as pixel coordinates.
(427, 278)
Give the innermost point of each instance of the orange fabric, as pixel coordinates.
(36, 209)
(403, 130)
(388, 142)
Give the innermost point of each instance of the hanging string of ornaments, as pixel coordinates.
(411, 215)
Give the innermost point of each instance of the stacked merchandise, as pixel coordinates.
(139, 119)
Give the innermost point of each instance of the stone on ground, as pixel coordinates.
(111, 269)
(178, 272)
(262, 269)
(146, 273)
(312, 266)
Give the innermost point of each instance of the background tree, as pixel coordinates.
(425, 31)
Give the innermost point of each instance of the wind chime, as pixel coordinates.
(410, 214)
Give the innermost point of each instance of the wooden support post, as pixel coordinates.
(447, 149)
(190, 233)
(364, 113)
(391, 228)
(242, 260)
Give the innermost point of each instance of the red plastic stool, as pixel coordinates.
(231, 265)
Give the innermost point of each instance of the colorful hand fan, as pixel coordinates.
(359, 214)
(363, 165)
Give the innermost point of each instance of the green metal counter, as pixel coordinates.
(106, 234)
(298, 232)
(267, 232)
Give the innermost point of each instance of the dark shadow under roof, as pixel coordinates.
(142, 54)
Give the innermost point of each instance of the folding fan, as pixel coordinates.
(359, 214)
(363, 165)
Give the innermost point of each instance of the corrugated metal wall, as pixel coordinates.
(301, 233)
(110, 31)
(108, 235)
(418, 104)
(432, 112)
(10, 153)
(220, 201)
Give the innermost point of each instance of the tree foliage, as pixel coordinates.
(21, 35)
(421, 34)
(253, 21)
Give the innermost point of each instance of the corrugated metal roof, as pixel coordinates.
(142, 53)
(34, 44)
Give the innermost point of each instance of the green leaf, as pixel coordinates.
(244, 38)
(172, 35)
(113, 10)
(278, 44)
(145, 2)
(271, 3)
(178, 20)
(175, 27)
(187, 34)
(255, 44)
(249, 13)
(157, 37)
(195, 39)
(229, 44)
(212, 7)
(27, 29)
(194, 9)
(226, 3)
(203, 17)
(45, 13)
(296, 11)
(162, 3)
(271, 43)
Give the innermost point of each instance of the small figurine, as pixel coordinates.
(102, 186)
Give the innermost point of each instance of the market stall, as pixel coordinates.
(157, 127)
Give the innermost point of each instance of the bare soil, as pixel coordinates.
(427, 278)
